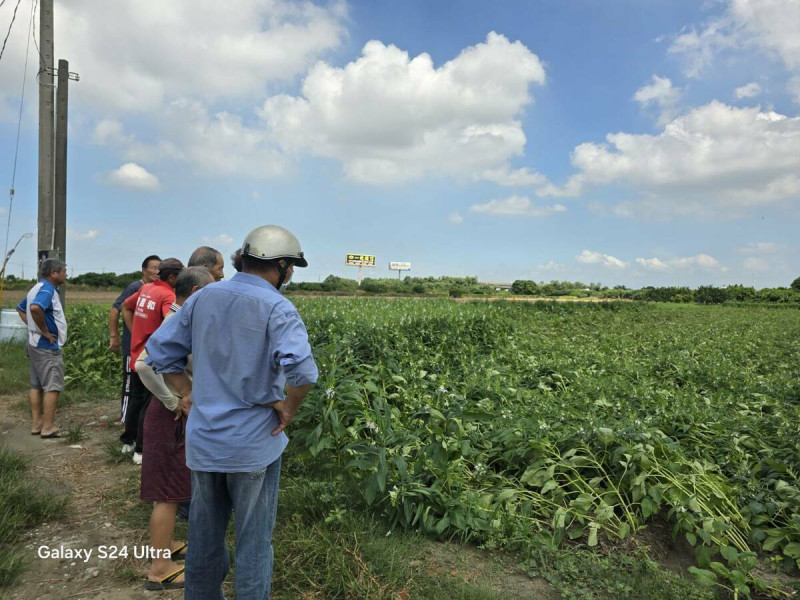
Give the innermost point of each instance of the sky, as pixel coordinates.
(625, 142)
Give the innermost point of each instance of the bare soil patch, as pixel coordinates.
(82, 473)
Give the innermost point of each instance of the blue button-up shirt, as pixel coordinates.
(247, 341)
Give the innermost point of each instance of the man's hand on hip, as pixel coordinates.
(185, 403)
(287, 408)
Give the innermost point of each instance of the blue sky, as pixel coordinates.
(642, 143)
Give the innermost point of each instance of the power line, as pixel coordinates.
(8, 33)
(19, 124)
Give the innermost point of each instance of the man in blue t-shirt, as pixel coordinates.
(150, 267)
(47, 332)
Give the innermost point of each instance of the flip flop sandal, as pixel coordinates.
(180, 552)
(166, 583)
(51, 436)
(36, 432)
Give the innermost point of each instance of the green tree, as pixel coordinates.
(796, 285)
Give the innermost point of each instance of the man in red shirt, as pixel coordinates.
(143, 312)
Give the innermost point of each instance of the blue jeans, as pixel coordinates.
(254, 499)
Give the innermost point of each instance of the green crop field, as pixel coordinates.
(553, 431)
(523, 425)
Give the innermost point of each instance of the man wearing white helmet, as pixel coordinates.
(248, 347)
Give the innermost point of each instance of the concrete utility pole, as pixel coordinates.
(46, 125)
(60, 175)
(60, 192)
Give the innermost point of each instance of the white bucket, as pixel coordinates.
(12, 329)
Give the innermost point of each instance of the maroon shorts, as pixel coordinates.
(165, 477)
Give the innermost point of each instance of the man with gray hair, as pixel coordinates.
(47, 333)
(209, 258)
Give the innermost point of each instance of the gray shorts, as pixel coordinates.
(47, 369)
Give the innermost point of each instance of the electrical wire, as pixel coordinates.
(10, 26)
(19, 125)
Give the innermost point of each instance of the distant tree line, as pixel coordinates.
(470, 286)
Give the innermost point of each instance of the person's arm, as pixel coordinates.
(293, 353)
(127, 316)
(22, 310)
(182, 384)
(155, 383)
(287, 408)
(168, 349)
(128, 307)
(113, 329)
(37, 314)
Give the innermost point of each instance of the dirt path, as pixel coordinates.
(93, 486)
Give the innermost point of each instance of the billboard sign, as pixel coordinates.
(360, 260)
(399, 266)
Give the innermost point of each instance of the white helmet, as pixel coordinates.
(270, 242)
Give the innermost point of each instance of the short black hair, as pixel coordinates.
(169, 266)
(236, 260)
(251, 264)
(148, 259)
(204, 256)
(50, 266)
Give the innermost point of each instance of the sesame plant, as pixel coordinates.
(532, 426)
(506, 423)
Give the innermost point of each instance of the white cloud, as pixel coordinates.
(588, 257)
(83, 237)
(133, 176)
(190, 48)
(389, 117)
(660, 94)
(703, 261)
(761, 248)
(520, 206)
(572, 188)
(717, 159)
(750, 90)
(769, 25)
(755, 264)
(455, 218)
(220, 241)
(513, 177)
(218, 144)
(195, 51)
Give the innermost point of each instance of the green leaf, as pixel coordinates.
(592, 534)
(720, 569)
(550, 485)
(703, 575)
(624, 530)
(443, 524)
(505, 495)
(576, 532)
(730, 554)
(772, 543)
(691, 538)
(792, 550)
(648, 507)
(703, 555)
(605, 435)
(371, 489)
(582, 502)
